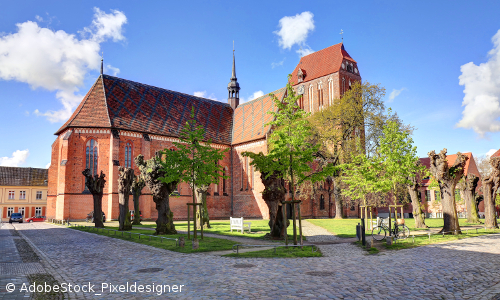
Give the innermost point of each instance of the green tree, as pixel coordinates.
(360, 113)
(361, 175)
(401, 166)
(195, 159)
(290, 154)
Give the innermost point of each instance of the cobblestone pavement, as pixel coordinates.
(12, 270)
(465, 269)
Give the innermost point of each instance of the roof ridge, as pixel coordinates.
(105, 99)
(156, 87)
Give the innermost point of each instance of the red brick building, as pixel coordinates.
(119, 119)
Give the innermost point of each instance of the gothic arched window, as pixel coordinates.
(224, 173)
(128, 155)
(91, 156)
(322, 202)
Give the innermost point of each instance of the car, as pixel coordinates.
(132, 213)
(16, 217)
(36, 219)
(90, 217)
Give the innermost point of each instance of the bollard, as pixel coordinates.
(389, 240)
(413, 239)
(429, 236)
(181, 242)
(476, 230)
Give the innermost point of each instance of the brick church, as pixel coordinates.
(119, 119)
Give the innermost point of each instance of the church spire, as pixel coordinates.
(233, 87)
(234, 66)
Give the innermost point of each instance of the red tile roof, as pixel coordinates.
(496, 154)
(251, 117)
(17, 176)
(321, 63)
(123, 104)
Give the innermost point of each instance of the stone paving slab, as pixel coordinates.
(464, 269)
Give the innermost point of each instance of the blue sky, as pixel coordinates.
(50, 57)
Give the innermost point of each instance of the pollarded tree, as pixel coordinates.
(413, 184)
(95, 184)
(290, 154)
(196, 162)
(490, 184)
(467, 186)
(152, 171)
(447, 178)
(201, 197)
(125, 180)
(136, 189)
(400, 165)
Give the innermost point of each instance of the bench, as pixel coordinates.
(239, 224)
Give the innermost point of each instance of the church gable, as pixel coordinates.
(251, 117)
(92, 111)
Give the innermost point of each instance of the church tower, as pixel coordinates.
(234, 89)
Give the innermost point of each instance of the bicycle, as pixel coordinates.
(399, 231)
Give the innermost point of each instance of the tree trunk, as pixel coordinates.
(151, 172)
(98, 208)
(165, 221)
(491, 183)
(125, 180)
(136, 190)
(448, 178)
(95, 185)
(201, 197)
(274, 195)
(418, 214)
(339, 205)
(467, 187)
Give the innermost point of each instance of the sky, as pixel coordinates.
(439, 61)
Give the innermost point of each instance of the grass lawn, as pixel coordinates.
(207, 244)
(281, 252)
(422, 240)
(259, 228)
(347, 227)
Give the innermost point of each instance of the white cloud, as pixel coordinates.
(255, 95)
(47, 166)
(395, 93)
(295, 29)
(110, 68)
(56, 60)
(18, 158)
(482, 93)
(203, 94)
(490, 153)
(107, 26)
(277, 64)
(305, 51)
